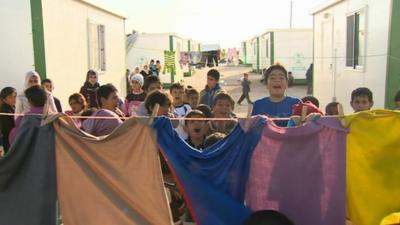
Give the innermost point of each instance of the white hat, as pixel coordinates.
(139, 78)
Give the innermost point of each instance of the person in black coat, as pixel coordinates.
(245, 89)
(8, 98)
(47, 84)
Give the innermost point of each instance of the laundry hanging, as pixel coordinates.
(27, 177)
(301, 172)
(373, 166)
(110, 180)
(213, 181)
(184, 59)
(169, 62)
(194, 58)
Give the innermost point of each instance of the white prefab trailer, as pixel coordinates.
(62, 40)
(244, 53)
(152, 46)
(289, 47)
(357, 44)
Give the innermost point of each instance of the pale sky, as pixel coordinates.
(227, 22)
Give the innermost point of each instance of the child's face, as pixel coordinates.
(193, 100)
(277, 83)
(196, 128)
(361, 103)
(177, 96)
(76, 107)
(222, 108)
(164, 110)
(48, 86)
(136, 85)
(154, 86)
(93, 79)
(211, 82)
(111, 102)
(11, 99)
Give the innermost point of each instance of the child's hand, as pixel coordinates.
(2, 152)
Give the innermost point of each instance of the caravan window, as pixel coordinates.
(355, 43)
(97, 48)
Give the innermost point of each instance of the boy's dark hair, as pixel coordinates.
(268, 217)
(150, 80)
(47, 80)
(104, 91)
(397, 96)
(6, 92)
(36, 96)
(194, 113)
(331, 109)
(224, 96)
(205, 109)
(79, 98)
(90, 72)
(152, 61)
(214, 73)
(178, 86)
(191, 91)
(311, 99)
(213, 138)
(155, 97)
(87, 112)
(360, 92)
(158, 61)
(268, 72)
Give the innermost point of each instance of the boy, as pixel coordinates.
(177, 92)
(212, 88)
(157, 97)
(47, 84)
(192, 96)
(331, 109)
(361, 99)
(223, 108)
(311, 99)
(37, 98)
(136, 95)
(151, 83)
(196, 129)
(277, 104)
(107, 97)
(245, 89)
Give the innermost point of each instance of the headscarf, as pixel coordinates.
(28, 76)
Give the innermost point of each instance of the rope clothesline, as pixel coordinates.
(147, 117)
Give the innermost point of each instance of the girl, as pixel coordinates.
(89, 89)
(78, 104)
(145, 72)
(136, 96)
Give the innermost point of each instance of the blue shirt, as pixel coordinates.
(282, 109)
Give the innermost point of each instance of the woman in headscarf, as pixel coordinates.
(22, 106)
(145, 72)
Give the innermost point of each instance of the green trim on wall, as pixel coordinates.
(393, 68)
(258, 54)
(189, 47)
(272, 58)
(199, 47)
(171, 48)
(38, 38)
(188, 74)
(300, 81)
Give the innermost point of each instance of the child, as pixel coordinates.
(164, 101)
(196, 129)
(90, 87)
(205, 109)
(78, 104)
(181, 109)
(312, 112)
(192, 96)
(151, 83)
(213, 138)
(223, 108)
(153, 68)
(158, 67)
(361, 99)
(8, 98)
(145, 72)
(47, 84)
(37, 98)
(331, 109)
(108, 101)
(245, 89)
(311, 99)
(277, 104)
(212, 88)
(397, 100)
(136, 96)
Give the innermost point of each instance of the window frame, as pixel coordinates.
(97, 51)
(356, 66)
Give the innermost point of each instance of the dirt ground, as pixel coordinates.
(230, 77)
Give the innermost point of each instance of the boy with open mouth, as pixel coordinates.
(196, 129)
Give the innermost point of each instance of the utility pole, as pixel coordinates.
(291, 14)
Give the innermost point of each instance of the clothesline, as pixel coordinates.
(147, 117)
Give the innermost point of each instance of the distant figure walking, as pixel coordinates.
(245, 89)
(309, 79)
